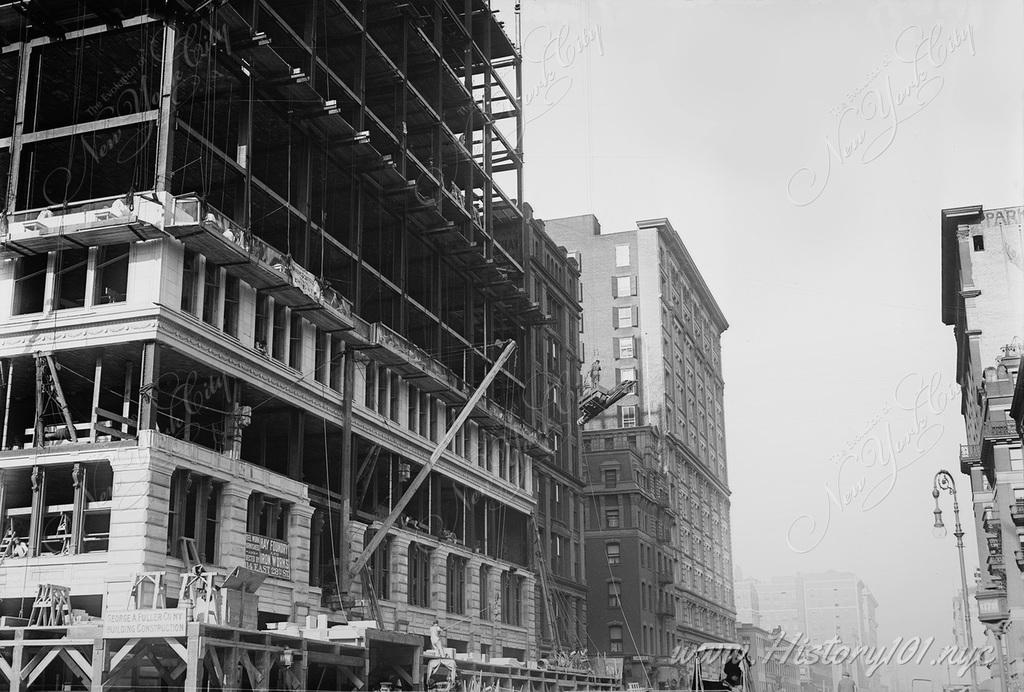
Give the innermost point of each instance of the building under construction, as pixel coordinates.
(258, 257)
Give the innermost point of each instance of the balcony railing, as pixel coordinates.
(1017, 513)
(213, 234)
(970, 455)
(995, 544)
(997, 430)
(103, 221)
(990, 522)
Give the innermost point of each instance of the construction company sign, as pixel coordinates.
(154, 622)
(267, 556)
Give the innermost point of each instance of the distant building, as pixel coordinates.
(659, 529)
(747, 604)
(821, 607)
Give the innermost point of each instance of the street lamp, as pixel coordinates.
(944, 481)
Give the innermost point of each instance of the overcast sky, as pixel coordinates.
(765, 131)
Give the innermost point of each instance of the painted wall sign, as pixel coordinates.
(156, 622)
(267, 556)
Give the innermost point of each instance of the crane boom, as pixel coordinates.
(416, 482)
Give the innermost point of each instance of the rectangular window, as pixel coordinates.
(511, 598)
(485, 592)
(193, 514)
(611, 477)
(29, 284)
(370, 393)
(611, 518)
(625, 375)
(621, 255)
(112, 274)
(320, 372)
(262, 322)
(456, 585)
(267, 516)
(295, 342)
(337, 365)
(280, 327)
(627, 416)
(69, 289)
(613, 553)
(614, 594)
(625, 347)
(1016, 459)
(419, 575)
(623, 318)
(379, 565)
(979, 243)
(211, 292)
(232, 301)
(621, 286)
(615, 639)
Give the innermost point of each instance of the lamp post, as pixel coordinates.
(944, 481)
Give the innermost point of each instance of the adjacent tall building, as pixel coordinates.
(983, 300)
(658, 541)
(552, 357)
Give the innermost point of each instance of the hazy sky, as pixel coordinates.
(765, 131)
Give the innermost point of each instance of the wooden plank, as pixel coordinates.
(336, 659)
(214, 659)
(113, 432)
(126, 405)
(119, 656)
(99, 659)
(192, 672)
(16, 658)
(352, 677)
(97, 379)
(7, 403)
(61, 399)
(160, 669)
(115, 417)
(5, 668)
(37, 437)
(178, 648)
(69, 130)
(37, 666)
(74, 660)
(125, 665)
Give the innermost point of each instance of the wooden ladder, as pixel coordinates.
(7, 543)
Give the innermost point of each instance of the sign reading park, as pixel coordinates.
(267, 556)
(151, 622)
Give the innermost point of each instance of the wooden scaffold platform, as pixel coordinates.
(203, 657)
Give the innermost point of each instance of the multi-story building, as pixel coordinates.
(657, 480)
(257, 256)
(983, 300)
(748, 605)
(553, 375)
(773, 667)
(816, 608)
